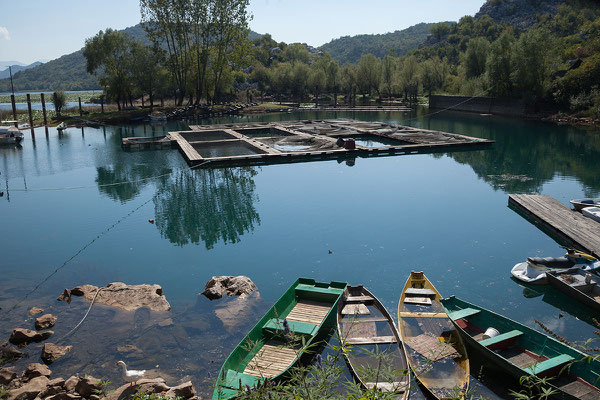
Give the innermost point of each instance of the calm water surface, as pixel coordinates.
(443, 213)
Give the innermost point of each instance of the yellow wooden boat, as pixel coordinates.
(434, 349)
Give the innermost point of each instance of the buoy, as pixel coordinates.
(330, 252)
(151, 221)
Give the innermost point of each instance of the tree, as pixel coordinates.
(388, 69)
(299, 80)
(439, 30)
(333, 79)
(475, 57)
(108, 53)
(348, 82)
(498, 65)
(317, 81)
(368, 74)
(295, 52)
(409, 79)
(146, 70)
(281, 79)
(531, 60)
(60, 100)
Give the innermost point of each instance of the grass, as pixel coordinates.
(36, 98)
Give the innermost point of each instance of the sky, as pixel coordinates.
(33, 30)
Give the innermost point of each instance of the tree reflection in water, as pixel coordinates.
(211, 205)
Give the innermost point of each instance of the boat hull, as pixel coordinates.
(434, 348)
(580, 204)
(521, 351)
(366, 328)
(592, 212)
(580, 295)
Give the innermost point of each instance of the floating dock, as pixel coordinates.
(568, 226)
(294, 141)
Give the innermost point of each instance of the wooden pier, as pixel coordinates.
(294, 141)
(559, 221)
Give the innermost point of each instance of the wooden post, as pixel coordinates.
(80, 112)
(30, 113)
(142, 101)
(14, 108)
(44, 108)
(162, 101)
(102, 103)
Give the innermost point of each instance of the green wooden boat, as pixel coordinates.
(522, 351)
(305, 313)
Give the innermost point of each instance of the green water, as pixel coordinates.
(443, 213)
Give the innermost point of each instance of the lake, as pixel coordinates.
(67, 220)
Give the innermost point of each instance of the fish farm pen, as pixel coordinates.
(296, 141)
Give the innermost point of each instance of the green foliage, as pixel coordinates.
(3, 391)
(140, 394)
(533, 388)
(475, 57)
(440, 30)
(60, 100)
(351, 48)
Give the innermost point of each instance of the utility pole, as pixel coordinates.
(12, 98)
(11, 82)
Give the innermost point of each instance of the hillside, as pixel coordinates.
(518, 13)
(67, 72)
(350, 48)
(16, 68)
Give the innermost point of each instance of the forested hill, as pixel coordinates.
(69, 71)
(522, 14)
(350, 48)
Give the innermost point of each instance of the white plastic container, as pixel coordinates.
(490, 333)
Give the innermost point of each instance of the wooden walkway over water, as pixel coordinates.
(568, 226)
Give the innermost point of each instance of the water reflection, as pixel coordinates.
(208, 205)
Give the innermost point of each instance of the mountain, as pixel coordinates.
(16, 68)
(350, 48)
(69, 71)
(518, 13)
(5, 64)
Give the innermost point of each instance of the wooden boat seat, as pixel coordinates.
(310, 312)
(315, 289)
(358, 299)
(395, 387)
(501, 341)
(271, 360)
(420, 292)
(549, 364)
(355, 309)
(276, 326)
(464, 313)
(371, 340)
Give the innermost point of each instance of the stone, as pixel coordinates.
(65, 296)
(231, 285)
(185, 390)
(21, 336)
(6, 376)
(46, 321)
(166, 322)
(52, 352)
(88, 386)
(156, 385)
(30, 390)
(71, 383)
(36, 369)
(55, 386)
(94, 397)
(35, 310)
(9, 353)
(64, 396)
(127, 297)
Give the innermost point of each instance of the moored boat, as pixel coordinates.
(580, 204)
(61, 127)
(305, 313)
(434, 348)
(581, 285)
(157, 116)
(533, 271)
(10, 135)
(523, 351)
(371, 343)
(592, 212)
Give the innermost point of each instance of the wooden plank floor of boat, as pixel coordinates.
(577, 389)
(271, 360)
(518, 357)
(310, 312)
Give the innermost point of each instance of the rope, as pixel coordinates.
(84, 317)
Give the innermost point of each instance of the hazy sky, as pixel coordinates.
(32, 30)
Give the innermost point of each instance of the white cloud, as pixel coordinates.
(4, 33)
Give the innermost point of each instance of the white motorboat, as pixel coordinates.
(592, 212)
(10, 135)
(533, 271)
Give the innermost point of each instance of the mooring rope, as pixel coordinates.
(84, 317)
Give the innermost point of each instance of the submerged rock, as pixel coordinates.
(230, 285)
(65, 296)
(21, 336)
(34, 370)
(35, 310)
(235, 313)
(46, 321)
(149, 386)
(9, 353)
(185, 390)
(52, 352)
(127, 297)
(88, 385)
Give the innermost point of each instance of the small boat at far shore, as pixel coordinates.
(580, 204)
(61, 127)
(592, 212)
(304, 315)
(434, 348)
(523, 351)
(157, 116)
(533, 271)
(582, 286)
(369, 335)
(10, 135)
